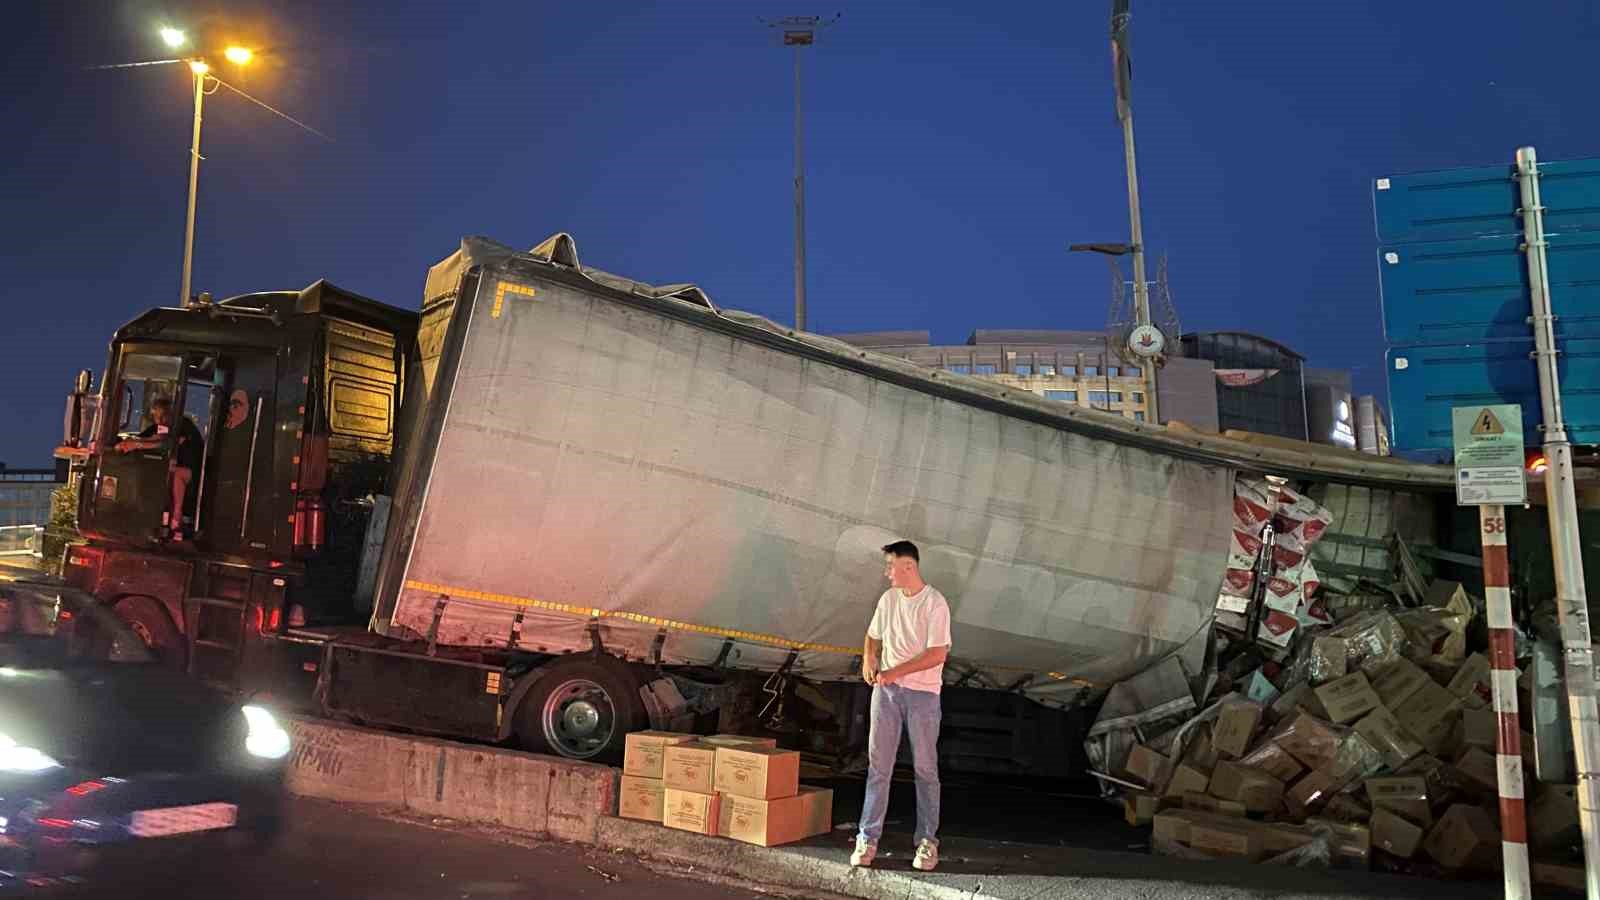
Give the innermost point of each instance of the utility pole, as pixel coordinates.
(799, 32)
(199, 69)
(1123, 73)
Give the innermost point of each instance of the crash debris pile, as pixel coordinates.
(1363, 738)
(739, 787)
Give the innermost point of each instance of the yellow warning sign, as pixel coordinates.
(1487, 423)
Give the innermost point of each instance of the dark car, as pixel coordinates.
(107, 755)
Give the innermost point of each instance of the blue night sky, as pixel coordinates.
(953, 151)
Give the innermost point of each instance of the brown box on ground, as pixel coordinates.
(1288, 703)
(642, 751)
(1430, 716)
(1273, 760)
(1347, 699)
(738, 740)
(1559, 876)
(1214, 805)
(1140, 808)
(1480, 768)
(1382, 730)
(1352, 844)
(1397, 681)
(1464, 838)
(768, 823)
(761, 773)
(1393, 834)
(1343, 807)
(1404, 794)
(1281, 837)
(1258, 791)
(1471, 682)
(1170, 826)
(1146, 766)
(1552, 815)
(1331, 657)
(640, 798)
(688, 766)
(1242, 841)
(1309, 794)
(818, 809)
(1235, 725)
(1478, 727)
(690, 811)
(1311, 741)
(1186, 778)
(1201, 752)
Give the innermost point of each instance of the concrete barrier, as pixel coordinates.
(542, 795)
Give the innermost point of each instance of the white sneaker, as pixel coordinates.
(865, 852)
(927, 858)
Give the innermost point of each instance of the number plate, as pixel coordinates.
(183, 819)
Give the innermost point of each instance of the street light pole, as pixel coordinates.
(1123, 76)
(199, 69)
(799, 196)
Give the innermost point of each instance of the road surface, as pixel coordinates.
(338, 852)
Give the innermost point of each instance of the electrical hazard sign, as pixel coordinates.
(1488, 452)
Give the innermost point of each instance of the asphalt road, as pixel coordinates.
(336, 852)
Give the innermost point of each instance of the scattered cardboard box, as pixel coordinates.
(1234, 841)
(690, 811)
(1312, 742)
(1393, 834)
(769, 823)
(1430, 715)
(1464, 838)
(738, 740)
(1397, 681)
(1553, 816)
(1309, 793)
(1570, 878)
(1170, 828)
(689, 766)
(1273, 760)
(1214, 805)
(1256, 790)
(1382, 730)
(1471, 682)
(1235, 726)
(1330, 659)
(1146, 766)
(1351, 844)
(642, 751)
(1201, 752)
(640, 798)
(1404, 794)
(1347, 699)
(1478, 728)
(760, 773)
(1288, 702)
(1140, 808)
(1481, 770)
(1186, 779)
(1343, 807)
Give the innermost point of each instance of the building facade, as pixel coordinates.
(1260, 382)
(25, 507)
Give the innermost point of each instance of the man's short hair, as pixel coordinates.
(903, 548)
(159, 402)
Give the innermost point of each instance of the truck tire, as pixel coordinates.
(581, 708)
(148, 619)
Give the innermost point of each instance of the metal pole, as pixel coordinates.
(1141, 289)
(194, 183)
(1572, 601)
(799, 205)
(1503, 681)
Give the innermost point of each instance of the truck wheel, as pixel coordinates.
(581, 709)
(147, 618)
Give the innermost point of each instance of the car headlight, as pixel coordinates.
(266, 738)
(17, 758)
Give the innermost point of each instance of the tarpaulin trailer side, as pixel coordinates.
(615, 466)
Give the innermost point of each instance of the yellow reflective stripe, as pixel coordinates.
(501, 289)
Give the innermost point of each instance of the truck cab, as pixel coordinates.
(294, 396)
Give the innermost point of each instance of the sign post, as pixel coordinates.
(1488, 443)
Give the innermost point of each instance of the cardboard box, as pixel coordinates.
(1201, 753)
(1234, 841)
(1553, 816)
(640, 798)
(1273, 760)
(1258, 791)
(1330, 658)
(1216, 806)
(738, 740)
(1471, 682)
(761, 773)
(1397, 681)
(1281, 837)
(1186, 779)
(1170, 827)
(1288, 703)
(1309, 794)
(1570, 878)
(769, 823)
(1405, 794)
(1464, 838)
(1146, 766)
(688, 766)
(818, 810)
(1478, 728)
(1382, 730)
(1394, 835)
(1235, 726)
(642, 750)
(1311, 741)
(1343, 807)
(1347, 699)
(1140, 808)
(1352, 844)
(1481, 770)
(1430, 716)
(690, 811)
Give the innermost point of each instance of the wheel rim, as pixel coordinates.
(578, 718)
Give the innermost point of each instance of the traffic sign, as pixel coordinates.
(1488, 446)
(1483, 201)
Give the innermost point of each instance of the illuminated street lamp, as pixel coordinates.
(237, 56)
(173, 37)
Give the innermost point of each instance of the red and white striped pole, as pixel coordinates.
(1503, 678)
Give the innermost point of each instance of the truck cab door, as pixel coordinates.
(130, 492)
(242, 486)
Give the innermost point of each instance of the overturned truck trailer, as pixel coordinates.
(588, 463)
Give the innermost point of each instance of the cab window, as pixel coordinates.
(145, 376)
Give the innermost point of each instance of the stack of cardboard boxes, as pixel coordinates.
(739, 787)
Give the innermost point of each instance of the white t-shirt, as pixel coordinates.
(909, 625)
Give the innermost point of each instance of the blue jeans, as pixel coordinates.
(893, 706)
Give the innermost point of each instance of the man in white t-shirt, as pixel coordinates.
(903, 659)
